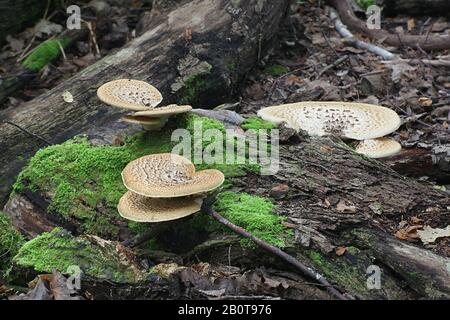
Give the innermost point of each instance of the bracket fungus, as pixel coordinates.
(352, 120)
(164, 187)
(141, 97)
(378, 148)
(129, 94)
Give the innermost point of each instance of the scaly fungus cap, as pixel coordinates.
(130, 94)
(379, 148)
(164, 111)
(144, 209)
(168, 175)
(352, 120)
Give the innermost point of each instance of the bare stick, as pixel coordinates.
(426, 42)
(350, 38)
(207, 208)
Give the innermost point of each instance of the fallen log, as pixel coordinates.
(342, 209)
(417, 162)
(196, 52)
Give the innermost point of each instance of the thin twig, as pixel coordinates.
(332, 65)
(350, 38)
(28, 132)
(207, 208)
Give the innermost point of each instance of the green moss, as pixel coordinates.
(342, 273)
(84, 181)
(365, 3)
(276, 70)
(45, 53)
(10, 242)
(257, 123)
(193, 87)
(59, 250)
(254, 214)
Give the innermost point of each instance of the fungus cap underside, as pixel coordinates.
(144, 209)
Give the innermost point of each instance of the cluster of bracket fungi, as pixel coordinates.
(141, 97)
(163, 187)
(358, 121)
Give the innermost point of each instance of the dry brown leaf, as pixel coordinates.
(410, 24)
(340, 251)
(408, 233)
(345, 206)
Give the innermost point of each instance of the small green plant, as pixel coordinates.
(276, 70)
(365, 3)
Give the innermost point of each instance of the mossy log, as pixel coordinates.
(333, 198)
(196, 52)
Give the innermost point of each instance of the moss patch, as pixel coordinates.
(59, 250)
(84, 181)
(10, 242)
(276, 70)
(256, 215)
(365, 3)
(256, 123)
(45, 53)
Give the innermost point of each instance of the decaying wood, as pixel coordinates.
(331, 195)
(218, 41)
(308, 271)
(426, 42)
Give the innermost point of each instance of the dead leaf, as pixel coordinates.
(46, 27)
(425, 101)
(410, 24)
(291, 80)
(67, 97)
(429, 235)
(408, 233)
(345, 206)
(340, 251)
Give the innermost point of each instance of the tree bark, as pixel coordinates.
(196, 52)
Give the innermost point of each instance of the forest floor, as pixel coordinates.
(310, 62)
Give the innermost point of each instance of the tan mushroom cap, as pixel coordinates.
(144, 209)
(140, 119)
(359, 121)
(148, 123)
(379, 148)
(168, 175)
(129, 94)
(164, 111)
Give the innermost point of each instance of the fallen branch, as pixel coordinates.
(350, 38)
(426, 42)
(207, 208)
